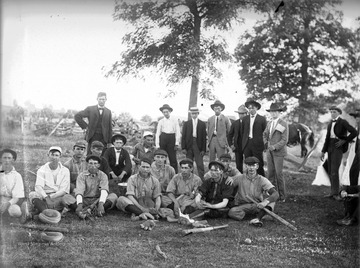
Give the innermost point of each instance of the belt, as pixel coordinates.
(167, 133)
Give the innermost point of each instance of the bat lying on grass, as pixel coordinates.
(41, 228)
(205, 229)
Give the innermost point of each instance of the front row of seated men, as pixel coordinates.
(224, 192)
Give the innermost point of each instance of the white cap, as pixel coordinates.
(148, 133)
(57, 148)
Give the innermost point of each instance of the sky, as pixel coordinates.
(56, 53)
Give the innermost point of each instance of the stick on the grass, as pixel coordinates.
(205, 229)
(41, 228)
(272, 214)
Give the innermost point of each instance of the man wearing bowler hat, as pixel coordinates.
(217, 129)
(275, 139)
(99, 127)
(193, 140)
(235, 138)
(336, 143)
(168, 135)
(252, 133)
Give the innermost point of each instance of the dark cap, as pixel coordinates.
(334, 108)
(251, 160)
(160, 152)
(217, 163)
(81, 144)
(225, 156)
(13, 153)
(93, 157)
(97, 144)
(186, 161)
(146, 160)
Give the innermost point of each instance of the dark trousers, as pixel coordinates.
(250, 151)
(352, 207)
(355, 168)
(167, 143)
(96, 137)
(194, 153)
(239, 158)
(334, 161)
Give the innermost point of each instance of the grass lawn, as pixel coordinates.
(116, 241)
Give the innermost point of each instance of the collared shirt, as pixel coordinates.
(117, 155)
(252, 119)
(101, 109)
(90, 185)
(214, 192)
(253, 187)
(332, 133)
(163, 175)
(48, 184)
(169, 126)
(216, 123)
(194, 122)
(11, 184)
(273, 124)
(178, 185)
(140, 187)
(75, 167)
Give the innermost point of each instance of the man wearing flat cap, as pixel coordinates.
(235, 137)
(118, 159)
(144, 148)
(76, 164)
(160, 170)
(252, 133)
(182, 189)
(275, 137)
(168, 135)
(255, 186)
(12, 186)
(336, 143)
(218, 128)
(99, 127)
(193, 140)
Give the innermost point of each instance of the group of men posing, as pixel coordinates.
(156, 188)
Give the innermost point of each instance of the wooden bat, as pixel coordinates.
(41, 228)
(205, 229)
(272, 214)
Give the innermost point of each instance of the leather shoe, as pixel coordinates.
(346, 222)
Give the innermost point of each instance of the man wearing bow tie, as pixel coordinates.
(99, 127)
(336, 143)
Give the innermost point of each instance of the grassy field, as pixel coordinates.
(116, 241)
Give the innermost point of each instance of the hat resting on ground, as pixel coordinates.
(251, 160)
(242, 110)
(218, 163)
(218, 103)
(118, 136)
(186, 161)
(50, 216)
(97, 144)
(160, 152)
(81, 144)
(251, 101)
(13, 153)
(167, 107)
(93, 157)
(194, 110)
(334, 108)
(276, 107)
(55, 148)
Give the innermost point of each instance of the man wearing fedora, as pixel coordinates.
(99, 126)
(355, 166)
(252, 133)
(218, 128)
(275, 140)
(168, 135)
(118, 159)
(193, 140)
(235, 138)
(336, 143)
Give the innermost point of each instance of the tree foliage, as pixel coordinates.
(298, 54)
(146, 118)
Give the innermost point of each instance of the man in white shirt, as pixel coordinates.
(168, 135)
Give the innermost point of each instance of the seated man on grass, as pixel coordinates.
(228, 170)
(96, 149)
(214, 196)
(11, 186)
(350, 195)
(160, 170)
(143, 194)
(256, 187)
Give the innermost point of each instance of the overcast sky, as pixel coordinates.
(53, 53)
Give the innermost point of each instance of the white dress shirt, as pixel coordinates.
(169, 126)
(252, 119)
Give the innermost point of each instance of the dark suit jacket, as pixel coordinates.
(92, 114)
(124, 161)
(341, 129)
(258, 129)
(234, 136)
(187, 137)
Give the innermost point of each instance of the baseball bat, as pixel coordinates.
(41, 228)
(205, 229)
(272, 214)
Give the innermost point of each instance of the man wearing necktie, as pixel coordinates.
(193, 140)
(218, 128)
(99, 126)
(275, 138)
(336, 143)
(252, 134)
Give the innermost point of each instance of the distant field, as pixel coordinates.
(115, 241)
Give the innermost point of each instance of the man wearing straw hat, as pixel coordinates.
(193, 140)
(217, 130)
(275, 140)
(234, 137)
(168, 135)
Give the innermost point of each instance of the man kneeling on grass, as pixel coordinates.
(253, 185)
(92, 189)
(143, 194)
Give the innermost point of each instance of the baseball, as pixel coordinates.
(247, 241)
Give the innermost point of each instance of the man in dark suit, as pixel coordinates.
(252, 134)
(193, 140)
(118, 159)
(336, 143)
(99, 127)
(234, 137)
(355, 166)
